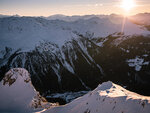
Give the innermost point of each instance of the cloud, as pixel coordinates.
(93, 5)
(97, 5)
(86, 5)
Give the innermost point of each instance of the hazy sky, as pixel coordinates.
(68, 7)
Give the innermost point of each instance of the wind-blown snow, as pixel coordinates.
(106, 98)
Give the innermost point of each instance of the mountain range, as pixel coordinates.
(70, 56)
(18, 95)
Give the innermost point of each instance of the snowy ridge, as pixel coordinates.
(28, 31)
(141, 18)
(18, 94)
(106, 98)
(72, 18)
(55, 51)
(63, 63)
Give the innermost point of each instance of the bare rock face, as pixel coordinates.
(17, 93)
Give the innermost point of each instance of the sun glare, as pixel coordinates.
(127, 4)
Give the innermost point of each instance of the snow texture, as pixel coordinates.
(137, 63)
(18, 95)
(26, 32)
(106, 98)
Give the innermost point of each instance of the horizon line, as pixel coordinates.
(1, 14)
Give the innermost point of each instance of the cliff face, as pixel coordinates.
(82, 63)
(78, 55)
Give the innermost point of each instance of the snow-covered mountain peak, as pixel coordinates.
(18, 94)
(104, 86)
(112, 90)
(107, 98)
(16, 75)
(141, 18)
(26, 32)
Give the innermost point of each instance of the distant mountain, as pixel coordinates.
(28, 31)
(4, 16)
(76, 56)
(106, 98)
(141, 18)
(73, 18)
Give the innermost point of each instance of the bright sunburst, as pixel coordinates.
(127, 4)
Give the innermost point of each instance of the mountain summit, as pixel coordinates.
(106, 98)
(18, 95)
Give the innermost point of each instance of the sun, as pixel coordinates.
(128, 4)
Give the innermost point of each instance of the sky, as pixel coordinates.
(69, 7)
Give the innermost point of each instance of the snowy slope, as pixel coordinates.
(141, 18)
(55, 51)
(17, 94)
(106, 98)
(26, 32)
